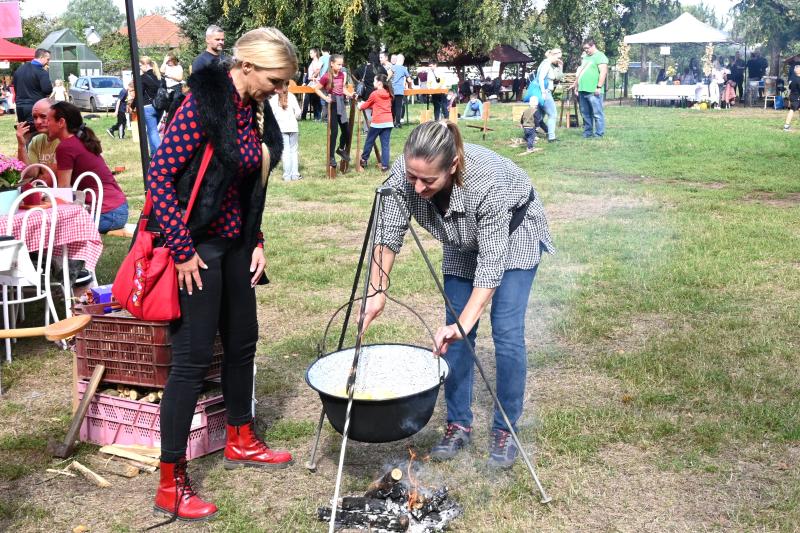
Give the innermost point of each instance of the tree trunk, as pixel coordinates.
(775, 58)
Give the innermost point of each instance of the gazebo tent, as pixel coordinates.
(13, 52)
(684, 29)
(503, 53)
(68, 55)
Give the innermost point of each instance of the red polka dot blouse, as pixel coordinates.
(182, 139)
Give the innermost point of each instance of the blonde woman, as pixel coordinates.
(493, 229)
(219, 254)
(151, 81)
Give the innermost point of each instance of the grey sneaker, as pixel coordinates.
(502, 449)
(455, 439)
(786, 127)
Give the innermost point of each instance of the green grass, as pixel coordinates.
(676, 281)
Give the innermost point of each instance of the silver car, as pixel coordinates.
(95, 92)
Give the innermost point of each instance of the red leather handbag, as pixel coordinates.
(146, 284)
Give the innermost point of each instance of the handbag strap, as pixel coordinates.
(148, 203)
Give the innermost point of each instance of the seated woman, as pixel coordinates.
(78, 152)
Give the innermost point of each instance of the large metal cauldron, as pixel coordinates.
(394, 395)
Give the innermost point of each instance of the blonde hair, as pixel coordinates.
(148, 61)
(438, 142)
(270, 49)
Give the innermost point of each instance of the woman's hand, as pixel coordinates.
(257, 264)
(328, 99)
(189, 272)
(444, 337)
(374, 308)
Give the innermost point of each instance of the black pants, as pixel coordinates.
(122, 120)
(24, 112)
(311, 104)
(397, 108)
(439, 106)
(227, 303)
(337, 124)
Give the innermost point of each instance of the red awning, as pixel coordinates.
(14, 52)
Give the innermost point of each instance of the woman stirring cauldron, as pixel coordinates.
(219, 254)
(492, 225)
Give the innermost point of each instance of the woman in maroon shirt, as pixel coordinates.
(79, 151)
(218, 254)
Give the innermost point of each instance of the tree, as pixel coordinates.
(35, 29)
(776, 22)
(114, 50)
(103, 15)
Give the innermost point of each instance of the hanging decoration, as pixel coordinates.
(708, 63)
(624, 60)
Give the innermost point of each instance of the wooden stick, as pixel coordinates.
(60, 472)
(110, 466)
(141, 466)
(121, 452)
(97, 479)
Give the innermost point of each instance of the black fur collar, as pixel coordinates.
(213, 93)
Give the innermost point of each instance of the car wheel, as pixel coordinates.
(92, 105)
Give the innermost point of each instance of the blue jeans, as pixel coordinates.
(114, 219)
(592, 112)
(385, 134)
(151, 121)
(530, 136)
(509, 304)
(548, 105)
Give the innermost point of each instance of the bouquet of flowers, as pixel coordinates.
(10, 169)
(671, 71)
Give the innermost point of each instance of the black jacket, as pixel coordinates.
(31, 84)
(150, 85)
(216, 113)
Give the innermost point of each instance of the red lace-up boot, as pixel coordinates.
(244, 448)
(176, 497)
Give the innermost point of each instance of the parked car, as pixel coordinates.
(95, 92)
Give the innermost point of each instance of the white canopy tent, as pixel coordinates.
(684, 29)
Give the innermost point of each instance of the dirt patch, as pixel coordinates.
(583, 206)
(772, 199)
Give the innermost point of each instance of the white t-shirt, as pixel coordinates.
(718, 75)
(60, 93)
(172, 71)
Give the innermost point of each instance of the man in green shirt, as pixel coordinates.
(40, 149)
(590, 79)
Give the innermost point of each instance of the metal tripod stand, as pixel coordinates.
(367, 249)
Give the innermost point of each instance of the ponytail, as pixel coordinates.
(438, 142)
(76, 126)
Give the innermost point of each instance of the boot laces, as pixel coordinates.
(259, 442)
(183, 483)
(450, 434)
(500, 440)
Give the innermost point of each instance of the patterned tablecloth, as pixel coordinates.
(74, 229)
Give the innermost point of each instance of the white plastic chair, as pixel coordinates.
(96, 204)
(25, 273)
(40, 166)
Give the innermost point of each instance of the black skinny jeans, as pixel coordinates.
(228, 303)
(336, 124)
(398, 104)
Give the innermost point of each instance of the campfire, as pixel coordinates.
(396, 502)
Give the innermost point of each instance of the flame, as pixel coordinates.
(414, 496)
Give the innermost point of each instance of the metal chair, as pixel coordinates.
(39, 166)
(24, 273)
(96, 197)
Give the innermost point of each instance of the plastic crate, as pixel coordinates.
(134, 352)
(113, 420)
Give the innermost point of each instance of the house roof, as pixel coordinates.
(684, 29)
(61, 37)
(508, 54)
(155, 30)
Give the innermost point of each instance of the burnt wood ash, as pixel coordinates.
(389, 504)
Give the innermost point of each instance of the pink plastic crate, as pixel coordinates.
(113, 420)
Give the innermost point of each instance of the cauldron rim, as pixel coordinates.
(445, 368)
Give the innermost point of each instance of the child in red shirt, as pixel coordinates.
(333, 82)
(381, 126)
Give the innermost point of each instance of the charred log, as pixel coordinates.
(360, 518)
